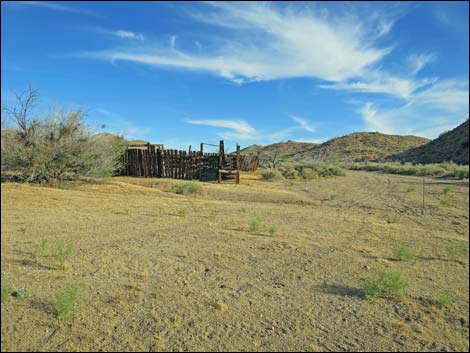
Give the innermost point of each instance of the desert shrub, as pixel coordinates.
(7, 289)
(444, 202)
(384, 283)
(65, 301)
(391, 219)
(291, 173)
(308, 173)
(447, 190)
(183, 212)
(404, 253)
(446, 169)
(411, 189)
(443, 300)
(271, 175)
(55, 147)
(333, 196)
(58, 252)
(457, 250)
(188, 188)
(255, 225)
(272, 231)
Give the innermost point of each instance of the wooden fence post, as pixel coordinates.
(237, 180)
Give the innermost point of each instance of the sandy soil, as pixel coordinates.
(159, 271)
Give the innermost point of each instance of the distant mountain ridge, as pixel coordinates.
(359, 146)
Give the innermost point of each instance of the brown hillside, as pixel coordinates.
(450, 146)
(283, 150)
(357, 146)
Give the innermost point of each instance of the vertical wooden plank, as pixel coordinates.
(221, 160)
(159, 163)
(237, 180)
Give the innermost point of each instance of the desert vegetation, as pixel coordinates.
(53, 147)
(447, 169)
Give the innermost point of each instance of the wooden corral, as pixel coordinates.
(154, 161)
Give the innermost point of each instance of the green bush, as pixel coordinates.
(411, 189)
(457, 250)
(7, 289)
(447, 190)
(384, 283)
(291, 173)
(308, 173)
(404, 253)
(65, 301)
(272, 231)
(444, 202)
(255, 225)
(187, 188)
(271, 175)
(58, 252)
(446, 169)
(444, 300)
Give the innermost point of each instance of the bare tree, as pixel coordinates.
(21, 115)
(273, 160)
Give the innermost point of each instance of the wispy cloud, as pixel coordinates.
(128, 35)
(57, 7)
(235, 129)
(269, 42)
(383, 83)
(303, 123)
(172, 41)
(417, 61)
(435, 109)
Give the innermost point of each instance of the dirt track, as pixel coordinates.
(154, 277)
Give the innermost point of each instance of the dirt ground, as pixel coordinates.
(159, 271)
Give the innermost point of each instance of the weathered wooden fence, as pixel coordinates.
(154, 161)
(249, 163)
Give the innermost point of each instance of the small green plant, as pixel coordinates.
(447, 190)
(444, 202)
(7, 289)
(333, 196)
(457, 250)
(65, 301)
(188, 188)
(384, 283)
(271, 175)
(272, 231)
(411, 189)
(404, 253)
(443, 300)
(58, 252)
(243, 209)
(20, 293)
(391, 219)
(183, 212)
(255, 225)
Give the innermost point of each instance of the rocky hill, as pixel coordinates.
(353, 147)
(450, 146)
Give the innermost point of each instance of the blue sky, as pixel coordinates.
(181, 73)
